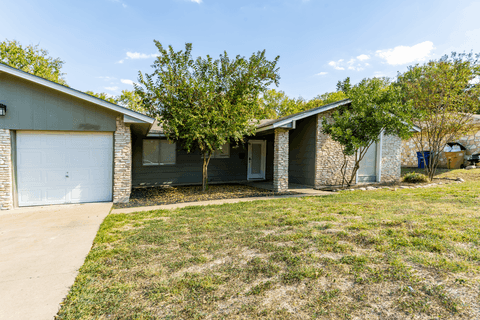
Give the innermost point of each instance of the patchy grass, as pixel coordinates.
(406, 254)
(160, 195)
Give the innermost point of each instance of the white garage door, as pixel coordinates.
(63, 167)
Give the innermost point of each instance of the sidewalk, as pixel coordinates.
(305, 193)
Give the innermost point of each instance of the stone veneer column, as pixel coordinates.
(280, 161)
(391, 158)
(6, 200)
(122, 170)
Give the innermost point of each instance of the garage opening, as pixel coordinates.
(64, 167)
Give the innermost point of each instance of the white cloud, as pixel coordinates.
(379, 74)
(336, 65)
(126, 81)
(121, 2)
(475, 80)
(363, 57)
(107, 78)
(197, 1)
(404, 54)
(321, 73)
(111, 88)
(138, 55)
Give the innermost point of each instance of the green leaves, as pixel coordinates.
(375, 108)
(444, 94)
(32, 59)
(205, 103)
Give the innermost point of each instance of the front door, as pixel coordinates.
(368, 166)
(256, 159)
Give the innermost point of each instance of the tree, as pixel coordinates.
(326, 98)
(204, 103)
(444, 94)
(103, 96)
(275, 104)
(375, 108)
(32, 59)
(132, 101)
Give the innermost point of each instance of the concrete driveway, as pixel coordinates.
(41, 250)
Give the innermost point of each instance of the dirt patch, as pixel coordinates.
(160, 195)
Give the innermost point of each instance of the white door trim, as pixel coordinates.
(379, 158)
(261, 176)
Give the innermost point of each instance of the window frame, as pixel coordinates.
(160, 142)
(217, 155)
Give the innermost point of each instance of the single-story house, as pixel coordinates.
(59, 145)
(471, 141)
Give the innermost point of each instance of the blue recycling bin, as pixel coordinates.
(420, 155)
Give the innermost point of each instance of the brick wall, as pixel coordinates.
(122, 172)
(280, 160)
(391, 158)
(6, 200)
(329, 157)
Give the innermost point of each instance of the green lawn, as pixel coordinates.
(405, 254)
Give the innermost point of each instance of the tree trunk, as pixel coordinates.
(206, 160)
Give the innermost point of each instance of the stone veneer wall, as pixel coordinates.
(329, 157)
(409, 150)
(6, 200)
(391, 158)
(122, 171)
(280, 160)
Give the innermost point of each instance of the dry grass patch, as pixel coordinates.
(408, 254)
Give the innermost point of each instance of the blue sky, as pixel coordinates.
(106, 42)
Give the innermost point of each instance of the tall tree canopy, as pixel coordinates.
(32, 59)
(275, 104)
(204, 103)
(445, 94)
(375, 109)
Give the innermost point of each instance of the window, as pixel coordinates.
(158, 152)
(224, 152)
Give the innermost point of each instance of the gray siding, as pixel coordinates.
(301, 160)
(188, 167)
(34, 107)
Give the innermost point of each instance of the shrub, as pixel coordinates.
(415, 177)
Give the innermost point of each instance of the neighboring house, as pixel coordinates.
(59, 145)
(470, 141)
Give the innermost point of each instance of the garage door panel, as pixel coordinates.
(30, 141)
(55, 177)
(100, 175)
(64, 167)
(30, 196)
(29, 159)
(77, 177)
(78, 193)
(99, 159)
(56, 195)
(102, 142)
(55, 159)
(30, 176)
(77, 157)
